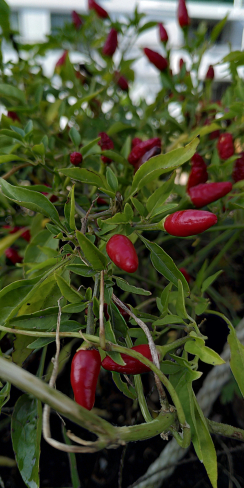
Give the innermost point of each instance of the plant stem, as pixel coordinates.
(225, 430)
(101, 317)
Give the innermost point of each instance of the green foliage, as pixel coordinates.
(72, 212)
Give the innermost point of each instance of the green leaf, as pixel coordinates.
(39, 149)
(30, 199)
(85, 150)
(85, 176)
(12, 92)
(118, 218)
(7, 158)
(139, 207)
(117, 127)
(95, 257)
(75, 136)
(161, 194)
(81, 269)
(180, 302)
(4, 395)
(208, 282)
(147, 25)
(14, 294)
(34, 252)
(163, 263)
(169, 319)
(117, 321)
(128, 212)
(165, 297)
(237, 357)
(12, 134)
(72, 208)
(125, 286)
(114, 156)
(218, 29)
(162, 164)
(112, 179)
(125, 388)
(67, 291)
(27, 424)
(206, 354)
(87, 98)
(8, 240)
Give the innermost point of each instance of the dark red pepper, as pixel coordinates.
(85, 368)
(225, 146)
(186, 223)
(206, 193)
(92, 5)
(183, 17)
(25, 235)
(76, 20)
(210, 73)
(155, 151)
(53, 198)
(155, 58)
(121, 81)
(132, 365)
(75, 158)
(13, 116)
(135, 142)
(238, 171)
(61, 61)
(198, 172)
(185, 274)
(101, 201)
(111, 43)
(106, 144)
(122, 252)
(163, 33)
(13, 255)
(140, 149)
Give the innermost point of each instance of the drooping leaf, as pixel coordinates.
(125, 286)
(27, 424)
(95, 257)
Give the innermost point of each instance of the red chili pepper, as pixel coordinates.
(183, 17)
(198, 172)
(13, 255)
(132, 365)
(61, 61)
(210, 73)
(75, 158)
(92, 5)
(76, 20)
(121, 81)
(85, 368)
(25, 235)
(13, 116)
(225, 146)
(238, 171)
(163, 33)
(148, 155)
(155, 58)
(186, 223)
(140, 149)
(101, 201)
(122, 252)
(135, 142)
(185, 274)
(206, 193)
(111, 43)
(105, 143)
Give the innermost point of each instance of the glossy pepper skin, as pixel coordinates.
(85, 368)
(122, 252)
(141, 148)
(206, 193)
(155, 151)
(75, 158)
(198, 172)
(210, 73)
(135, 142)
(13, 255)
(182, 14)
(185, 223)
(163, 35)
(132, 365)
(225, 146)
(105, 143)
(101, 12)
(185, 274)
(238, 171)
(121, 81)
(111, 43)
(77, 22)
(155, 58)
